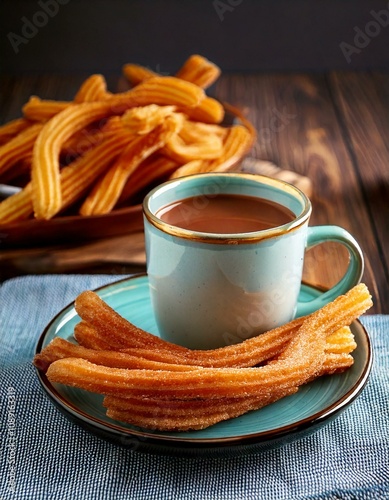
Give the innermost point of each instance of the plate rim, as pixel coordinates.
(149, 437)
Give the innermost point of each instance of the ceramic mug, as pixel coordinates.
(209, 290)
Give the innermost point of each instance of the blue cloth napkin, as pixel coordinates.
(45, 456)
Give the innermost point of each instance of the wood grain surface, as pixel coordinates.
(330, 130)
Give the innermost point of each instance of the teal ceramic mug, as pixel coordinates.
(210, 289)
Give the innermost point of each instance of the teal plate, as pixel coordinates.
(291, 418)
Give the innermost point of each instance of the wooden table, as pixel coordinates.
(332, 128)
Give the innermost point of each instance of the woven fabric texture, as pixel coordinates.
(45, 456)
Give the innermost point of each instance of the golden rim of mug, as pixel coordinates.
(230, 238)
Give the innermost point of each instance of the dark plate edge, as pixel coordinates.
(170, 444)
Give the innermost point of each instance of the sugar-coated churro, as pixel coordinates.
(186, 415)
(60, 348)
(289, 369)
(193, 397)
(336, 354)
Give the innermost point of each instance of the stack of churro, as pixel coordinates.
(154, 384)
(164, 126)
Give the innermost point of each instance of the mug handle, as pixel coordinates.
(353, 274)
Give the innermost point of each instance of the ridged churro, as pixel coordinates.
(60, 348)
(161, 90)
(142, 120)
(336, 354)
(75, 179)
(45, 171)
(19, 147)
(197, 69)
(137, 74)
(171, 415)
(153, 169)
(236, 143)
(121, 334)
(42, 110)
(13, 128)
(168, 395)
(210, 147)
(108, 190)
(290, 369)
(54, 135)
(209, 110)
(93, 89)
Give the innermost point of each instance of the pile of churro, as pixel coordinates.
(100, 150)
(153, 384)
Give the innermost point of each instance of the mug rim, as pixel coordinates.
(229, 238)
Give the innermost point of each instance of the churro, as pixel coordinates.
(197, 69)
(142, 120)
(120, 334)
(209, 147)
(93, 89)
(107, 191)
(185, 415)
(75, 179)
(237, 142)
(13, 128)
(153, 169)
(54, 135)
(161, 90)
(137, 74)
(167, 395)
(336, 354)
(209, 110)
(42, 110)
(19, 147)
(60, 348)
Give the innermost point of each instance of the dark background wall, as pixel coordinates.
(40, 36)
